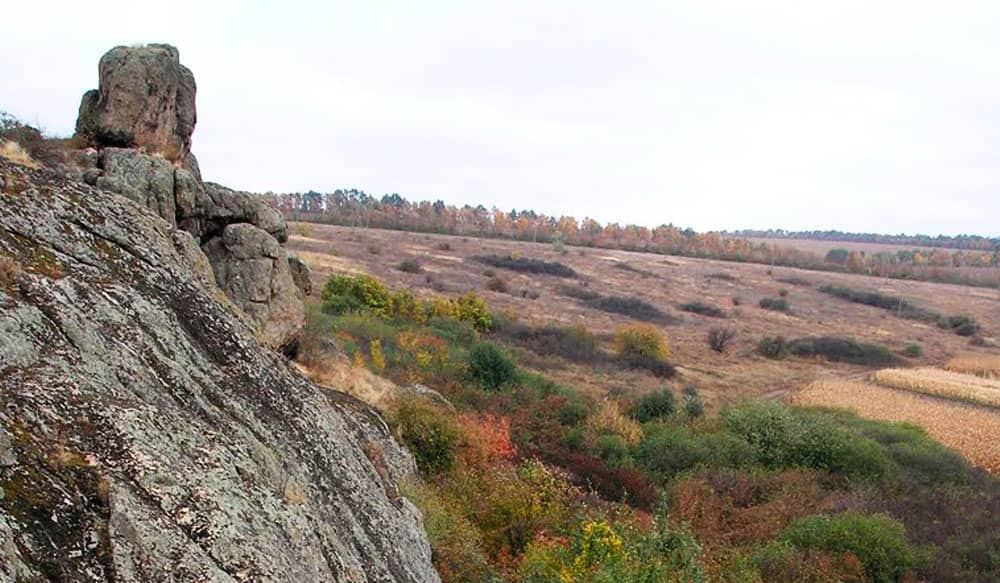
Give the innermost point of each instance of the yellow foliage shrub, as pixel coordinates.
(641, 341)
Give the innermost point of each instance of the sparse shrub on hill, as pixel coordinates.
(375, 248)
(443, 246)
(703, 309)
(578, 292)
(343, 294)
(489, 367)
(497, 285)
(842, 350)
(781, 437)
(773, 347)
(775, 304)
(631, 307)
(609, 420)
(794, 280)
(574, 343)
(456, 543)
(625, 305)
(526, 265)
(723, 276)
(641, 341)
(428, 433)
(600, 553)
(410, 266)
(719, 338)
(692, 405)
(658, 404)
(878, 541)
(913, 350)
(961, 325)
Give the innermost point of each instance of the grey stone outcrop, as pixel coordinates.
(140, 122)
(147, 435)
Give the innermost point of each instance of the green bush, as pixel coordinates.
(842, 350)
(655, 405)
(691, 404)
(489, 367)
(668, 451)
(428, 434)
(410, 266)
(453, 331)
(343, 293)
(776, 304)
(913, 350)
(780, 437)
(703, 309)
(612, 449)
(773, 347)
(877, 541)
(472, 309)
(961, 325)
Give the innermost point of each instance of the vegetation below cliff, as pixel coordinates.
(525, 479)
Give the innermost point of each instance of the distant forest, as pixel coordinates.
(974, 242)
(973, 264)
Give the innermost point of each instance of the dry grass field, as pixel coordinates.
(941, 383)
(667, 283)
(821, 247)
(984, 365)
(969, 429)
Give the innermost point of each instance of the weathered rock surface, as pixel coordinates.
(300, 274)
(148, 180)
(145, 434)
(145, 99)
(253, 270)
(141, 120)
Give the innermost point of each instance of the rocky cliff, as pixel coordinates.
(147, 431)
(138, 128)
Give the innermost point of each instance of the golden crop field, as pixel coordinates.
(984, 365)
(964, 427)
(941, 383)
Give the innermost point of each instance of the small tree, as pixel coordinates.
(719, 338)
(490, 367)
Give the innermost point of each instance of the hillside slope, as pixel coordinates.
(146, 435)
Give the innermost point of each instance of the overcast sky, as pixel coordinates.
(855, 115)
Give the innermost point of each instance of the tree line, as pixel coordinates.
(353, 207)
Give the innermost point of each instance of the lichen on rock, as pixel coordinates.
(154, 437)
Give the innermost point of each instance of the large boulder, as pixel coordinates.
(253, 270)
(140, 122)
(229, 206)
(145, 99)
(145, 433)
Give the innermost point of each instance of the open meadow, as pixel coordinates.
(445, 264)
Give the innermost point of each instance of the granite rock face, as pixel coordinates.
(145, 99)
(147, 435)
(140, 123)
(253, 270)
